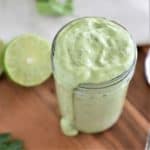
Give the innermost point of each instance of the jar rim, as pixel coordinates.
(107, 83)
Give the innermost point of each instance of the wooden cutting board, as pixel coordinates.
(32, 115)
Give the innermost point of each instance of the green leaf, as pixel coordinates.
(55, 7)
(3, 147)
(43, 8)
(15, 145)
(5, 138)
(42, 0)
(7, 143)
(60, 8)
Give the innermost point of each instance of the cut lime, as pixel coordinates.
(2, 48)
(27, 60)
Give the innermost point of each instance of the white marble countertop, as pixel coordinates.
(20, 16)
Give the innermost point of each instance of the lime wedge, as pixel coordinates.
(27, 60)
(2, 48)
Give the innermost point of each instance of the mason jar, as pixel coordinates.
(94, 107)
(101, 104)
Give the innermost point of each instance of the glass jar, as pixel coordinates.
(101, 104)
(92, 108)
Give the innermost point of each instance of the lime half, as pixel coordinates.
(27, 60)
(2, 48)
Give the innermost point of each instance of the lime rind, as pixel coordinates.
(27, 60)
(2, 49)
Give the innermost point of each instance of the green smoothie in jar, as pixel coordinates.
(93, 61)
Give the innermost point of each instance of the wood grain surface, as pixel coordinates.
(32, 115)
